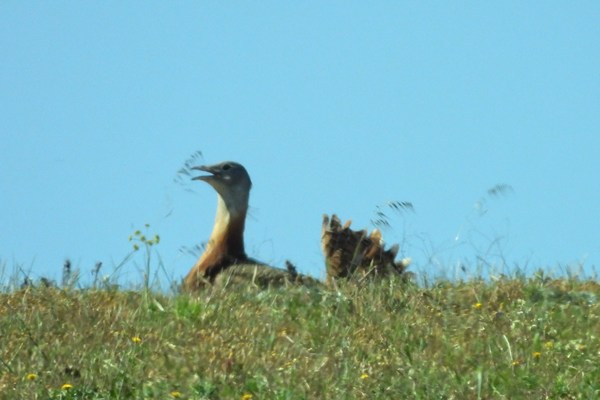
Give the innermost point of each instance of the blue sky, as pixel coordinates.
(332, 107)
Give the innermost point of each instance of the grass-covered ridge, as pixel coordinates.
(503, 339)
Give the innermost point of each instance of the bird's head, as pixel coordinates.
(230, 180)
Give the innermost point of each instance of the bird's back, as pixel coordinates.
(261, 275)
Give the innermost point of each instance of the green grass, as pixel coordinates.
(511, 338)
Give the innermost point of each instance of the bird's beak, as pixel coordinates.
(206, 178)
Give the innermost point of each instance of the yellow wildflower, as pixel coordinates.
(477, 306)
(66, 386)
(175, 394)
(246, 396)
(549, 344)
(516, 363)
(136, 339)
(364, 376)
(536, 354)
(31, 377)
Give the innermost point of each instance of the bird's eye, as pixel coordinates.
(226, 167)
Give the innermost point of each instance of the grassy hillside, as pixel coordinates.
(511, 338)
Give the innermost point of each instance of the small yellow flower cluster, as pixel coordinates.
(364, 376)
(246, 396)
(477, 306)
(536, 354)
(66, 386)
(136, 339)
(31, 377)
(139, 237)
(175, 394)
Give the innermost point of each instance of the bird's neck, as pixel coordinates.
(226, 243)
(228, 231)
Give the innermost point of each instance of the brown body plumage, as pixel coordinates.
(224, 260)
(349, 253)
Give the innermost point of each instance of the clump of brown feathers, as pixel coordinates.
(349, 253)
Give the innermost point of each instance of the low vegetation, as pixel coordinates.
(502, 338)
